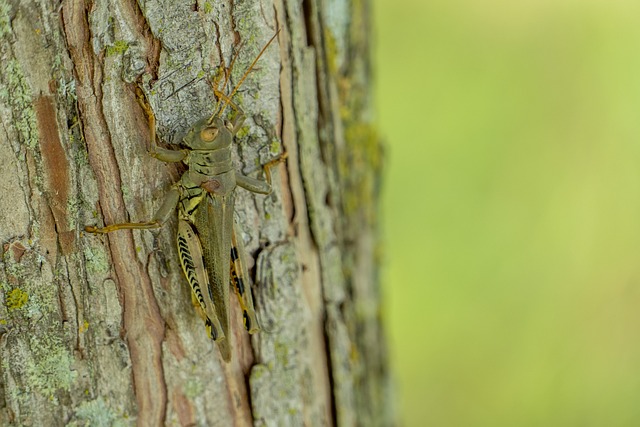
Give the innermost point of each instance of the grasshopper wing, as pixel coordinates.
(214, 224)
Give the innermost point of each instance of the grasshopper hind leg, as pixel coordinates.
(241, 284)
(163, 214)
(192, 261)
(213, 332)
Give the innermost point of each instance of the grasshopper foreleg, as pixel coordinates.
(155, 151)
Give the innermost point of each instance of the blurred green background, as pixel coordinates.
(512, 209)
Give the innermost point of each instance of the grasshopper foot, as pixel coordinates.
(92, 229)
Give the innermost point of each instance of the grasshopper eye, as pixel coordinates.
(209, 134)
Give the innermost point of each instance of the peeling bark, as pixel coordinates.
(99, 330)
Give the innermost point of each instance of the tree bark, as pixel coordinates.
(99, 330)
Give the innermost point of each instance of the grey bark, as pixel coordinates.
(99, 330)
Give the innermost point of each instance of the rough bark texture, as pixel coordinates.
(99, 330)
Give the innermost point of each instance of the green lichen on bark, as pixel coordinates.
(16, 93)
(360, 170)
(5, 19)
(98, 413)
(50, 368)
(96, 260)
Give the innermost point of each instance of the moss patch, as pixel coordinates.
(117, 48)
(16, 299)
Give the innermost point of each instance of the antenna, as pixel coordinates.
(217, 90)
(235, 89)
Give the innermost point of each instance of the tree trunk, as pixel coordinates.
(100, 330)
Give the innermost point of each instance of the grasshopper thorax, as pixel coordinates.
(208, 134)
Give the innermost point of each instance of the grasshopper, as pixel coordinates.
(209, 244)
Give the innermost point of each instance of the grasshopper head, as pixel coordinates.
(208, 134)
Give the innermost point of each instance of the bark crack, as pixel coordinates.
(142, 320)
(154, 44)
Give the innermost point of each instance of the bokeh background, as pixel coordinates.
(512, 209)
